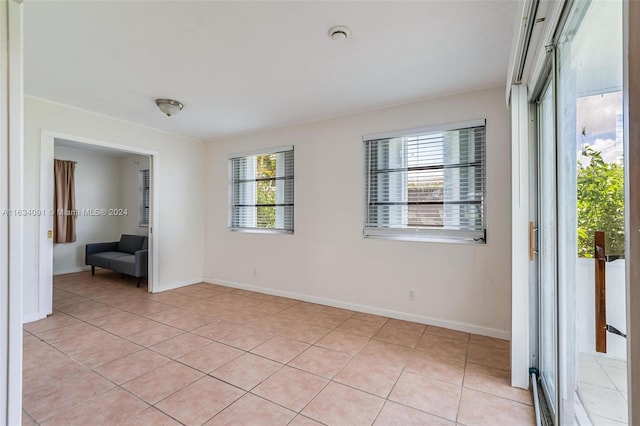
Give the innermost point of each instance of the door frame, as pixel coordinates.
(45, 246)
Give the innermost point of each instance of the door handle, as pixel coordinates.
(532, 241)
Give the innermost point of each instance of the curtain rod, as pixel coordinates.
(74, 162)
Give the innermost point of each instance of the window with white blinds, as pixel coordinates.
(144, 197)
(261, 191)
(427, 184)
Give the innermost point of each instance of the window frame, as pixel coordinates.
(141, 174)
(230, 205)
(441, 235)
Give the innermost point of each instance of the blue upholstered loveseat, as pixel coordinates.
(128, 256)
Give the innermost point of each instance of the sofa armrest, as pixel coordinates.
(93, 248)
(142, 263)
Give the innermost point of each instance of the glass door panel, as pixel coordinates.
(547, 226)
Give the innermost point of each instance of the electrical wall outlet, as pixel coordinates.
(412, 295)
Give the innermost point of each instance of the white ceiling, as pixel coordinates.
(243, 66)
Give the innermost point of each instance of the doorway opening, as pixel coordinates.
(114, 192)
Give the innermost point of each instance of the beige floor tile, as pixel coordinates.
(360, 327)
(151, 416)
(445, 332)
(398, 336)
(321, 361)
(490, 341)
(437, 367)
(97, 349)
(443, 346)
(290, 388)
(56, 320)
(343, 342)
(371, 318)
(216, 329)
(301, 420)
(200, 401)
(251, 410)
(178, 318)
(67, 332)
(407, 325)
(246, 371)
(155, 335)
(280, 349)
(162, 382)
(246, 338)
(479, 408)
(394, 414)
(430, 395)
(494, 381)
(113, 319)
(491, 356)
(32, 343)
(210, 357)
(53, 399)
(180, 345)
(110, 408)
(27, 420)
(369, 376)
(305, 333)
(386, 353)
(131, 366)
(339, 404)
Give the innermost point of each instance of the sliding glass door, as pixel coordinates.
(581, 286)
(547, 225)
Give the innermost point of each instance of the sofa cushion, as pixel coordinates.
(124, 264)
(130, 243)
(145, 244)
(103, 260)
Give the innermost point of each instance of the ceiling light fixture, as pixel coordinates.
(169, 106)
(339, 32)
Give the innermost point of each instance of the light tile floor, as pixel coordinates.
(114, 354)
(602, 386)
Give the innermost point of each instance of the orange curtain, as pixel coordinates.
(64, 201)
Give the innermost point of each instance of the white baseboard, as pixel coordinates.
(179, 284)
(453, 325)
(72, 270)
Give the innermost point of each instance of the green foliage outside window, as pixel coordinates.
(266, 191)
(600, 204)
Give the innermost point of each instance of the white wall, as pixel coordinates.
(97, 186)
(181, 176)
(456, 285)
(130, 166)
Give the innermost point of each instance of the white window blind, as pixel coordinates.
(261, 192)
(427, 185)
(144, 197)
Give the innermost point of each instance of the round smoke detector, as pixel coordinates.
(339, 32)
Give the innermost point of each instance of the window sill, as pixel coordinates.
(260, 231)
(425, 239)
